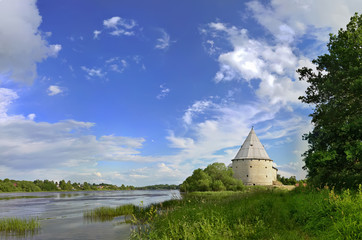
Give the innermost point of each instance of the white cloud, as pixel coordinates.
(7, 96)
(120, 26)
(28, 144)
(31, 116)
(163, 42)
(180, 142)
(253, 59)
(54, 90)
(210, 47)
(155, 174)
(164, 92)
(55, 49)
(93, 72)
(22, 46)
(197, 108)
(57, 150)
(288, 19)
(117, 64)
(96, 34)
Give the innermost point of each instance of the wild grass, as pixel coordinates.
(108, 213)
(256, 214)
(19, 225)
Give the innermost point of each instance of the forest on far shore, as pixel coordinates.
(8, 185)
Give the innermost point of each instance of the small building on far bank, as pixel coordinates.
(252, 164)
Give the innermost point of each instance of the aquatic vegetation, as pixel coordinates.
(22, 197)
(108, 213)
(20, 226)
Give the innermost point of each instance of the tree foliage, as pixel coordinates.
(292, 180)
(8, 185)
(216, 177)
(334, 154)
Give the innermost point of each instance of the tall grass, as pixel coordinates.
(261, 214)
(19, 225)
(108, 213)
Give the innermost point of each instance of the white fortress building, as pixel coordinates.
(252, 164)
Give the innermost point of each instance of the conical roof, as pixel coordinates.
(252, 148)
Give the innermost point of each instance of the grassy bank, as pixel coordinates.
(19, 225)
(260, 214)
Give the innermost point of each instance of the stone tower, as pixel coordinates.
(252, 164)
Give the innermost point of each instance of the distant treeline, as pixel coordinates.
(159, 187)
(290, 181)
(8, 185)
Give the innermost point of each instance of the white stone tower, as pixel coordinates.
(252, 164)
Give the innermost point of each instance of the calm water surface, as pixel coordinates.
(61, 213)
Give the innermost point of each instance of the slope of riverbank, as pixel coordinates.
(257, 214)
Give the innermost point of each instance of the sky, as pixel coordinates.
(144, 92)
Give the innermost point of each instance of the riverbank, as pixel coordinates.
(256, 214)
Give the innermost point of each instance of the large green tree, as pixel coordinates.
(216, 177)
(334, 154)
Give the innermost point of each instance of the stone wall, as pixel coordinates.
(254, 172)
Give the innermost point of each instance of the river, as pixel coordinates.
(61, 213)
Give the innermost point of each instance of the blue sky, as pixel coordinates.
(144, 92)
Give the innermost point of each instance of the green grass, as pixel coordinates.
(256, 214)
(19, 225)
(108, 213)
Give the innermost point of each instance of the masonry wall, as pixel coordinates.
(254, 172)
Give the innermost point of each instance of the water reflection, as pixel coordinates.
(61, 214)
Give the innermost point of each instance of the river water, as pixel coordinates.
(61, 213)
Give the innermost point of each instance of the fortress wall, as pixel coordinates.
(254, 172)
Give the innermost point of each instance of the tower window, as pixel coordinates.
(247, 175)
(266, 167)
(266, 175)
(251, 166)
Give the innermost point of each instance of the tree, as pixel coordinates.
(62, 185)
(86, 186)
(215, 177)
(334, 154)
(292, 180)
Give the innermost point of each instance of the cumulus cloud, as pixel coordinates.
(54, 90)
(252, 59)
(223, 126)
(7, 96)
(29, 144)
(163, 42)
(56, 149)
(119, 26)
(288, 19)
(164, 92)
(22, 45)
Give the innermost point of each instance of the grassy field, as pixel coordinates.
(256, 214)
